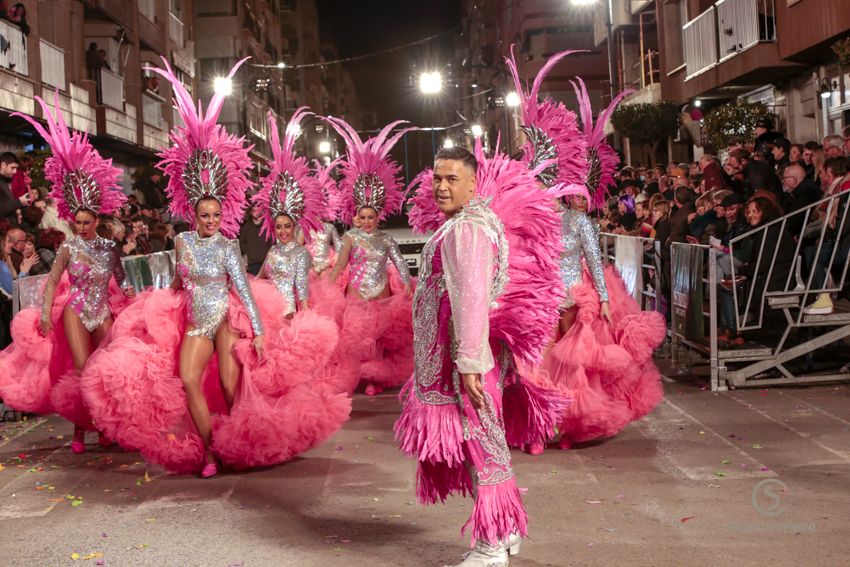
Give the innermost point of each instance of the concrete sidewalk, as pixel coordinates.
(752, 477)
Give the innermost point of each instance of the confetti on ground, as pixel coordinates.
(702, 432)
(140, 546)
(720, 473)
(686, 518)
(725, 462)
(2, 467)
(593, 501)
(756, 446)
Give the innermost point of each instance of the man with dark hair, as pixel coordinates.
(458, 154)
(808, 151)
(253, 245)
(684, 201)
(781, 149)
(765, 136)
(9, 204)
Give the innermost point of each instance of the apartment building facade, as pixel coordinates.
(92, 52)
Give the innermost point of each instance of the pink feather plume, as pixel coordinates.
(369, 157)
(72, 152)
(555, 120)
(330, 189)
(202, 131)
(285, 161)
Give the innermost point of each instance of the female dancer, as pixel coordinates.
(603, 355)
(323, 243)
(376, 325)
(41, 375)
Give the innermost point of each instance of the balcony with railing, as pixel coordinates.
(13, 49)
(52, 65)
(176, 29)
(110, 89)
(147, 8)
(725, 30)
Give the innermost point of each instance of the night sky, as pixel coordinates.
(367, 26)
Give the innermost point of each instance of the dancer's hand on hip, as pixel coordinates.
(257, 343)
(605, 312)
(44, 327)
(474, 389)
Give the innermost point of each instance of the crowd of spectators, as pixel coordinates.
(713, 201)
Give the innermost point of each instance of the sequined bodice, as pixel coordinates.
(287, 266)
(90, 265)
(207, 267)
(321, 246)
(580, 241)
(368, 261)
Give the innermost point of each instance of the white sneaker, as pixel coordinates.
(486, 555)
(822, 306)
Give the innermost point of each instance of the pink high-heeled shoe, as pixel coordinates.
(209, 470)
(564, 443)
(536, 448)
(371, 390)
(78, 447)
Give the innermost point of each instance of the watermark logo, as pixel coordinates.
(766, 497)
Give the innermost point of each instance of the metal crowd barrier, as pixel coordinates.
(151, 270)
(635, 260)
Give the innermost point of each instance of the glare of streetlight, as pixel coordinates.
(697, 103)
(281, 65)
(512, 99)
(448, 143)
(223, 86)
(582, 2)
(294, 129)
(430, 83)
(476, 130)
(324, 147)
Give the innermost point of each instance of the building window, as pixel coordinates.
(675, 18)
(217, 8)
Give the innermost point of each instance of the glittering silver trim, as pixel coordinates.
(88, 195)
(205, 176)
(543, 150)
(369, 191)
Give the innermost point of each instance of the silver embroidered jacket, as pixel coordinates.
(580, 240)
(208, 267)
(466, 260)
(90, 264)
(287, 266)
(368, 261)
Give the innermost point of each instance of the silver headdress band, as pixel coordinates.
(594, 171)
(543, 150)
(292, 204)
(205, 176)
(80, 191)
(369, 191)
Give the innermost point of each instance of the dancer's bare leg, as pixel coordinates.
(568, 317)
(228, 367)
(80, 343)
(195, 353)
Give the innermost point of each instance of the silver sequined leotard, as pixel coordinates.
(580, 240)
(287, 266)
(90, 264)
(207, 267)
(321, 244)
(368, 262)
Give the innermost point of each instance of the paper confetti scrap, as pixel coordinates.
(593, 501)
(686, 518)
(720, 473)
(725, 462)
(756, 446)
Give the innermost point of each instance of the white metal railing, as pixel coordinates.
(742, 24)
(151, 110)
(13, 48)
(700, 38)
(147, 8)
(175, 29)
(52, 65)
(111, 89)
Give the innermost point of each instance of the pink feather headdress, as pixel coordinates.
(205, 161)
(370, 178)
(551, 129)
(289, 189)
(602, 159)
(331, 198)
(81, 178)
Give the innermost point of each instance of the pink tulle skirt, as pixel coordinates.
(37, 373)
(281, 408)
(377, 338)
(606, 369)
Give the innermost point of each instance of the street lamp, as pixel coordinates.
(477, 130)
(281, 65)
(324, 147)
(430, 83)
(512, 99)
(294, 129)
(448, 143)
(223, 86)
